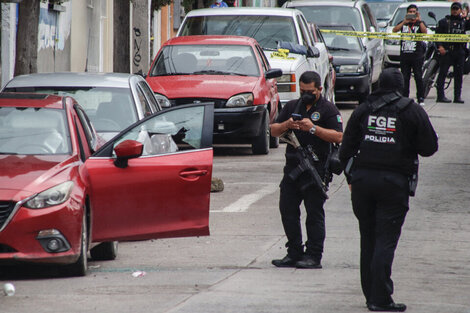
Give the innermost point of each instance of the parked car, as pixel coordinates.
(352, 64)
(273, 28)
(112, 101)
(355, 13)
(326, 59)
(230, 71)
(61, 192)
(383, 11)
(392, 47)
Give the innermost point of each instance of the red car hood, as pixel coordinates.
(26, 174)
(203, 86)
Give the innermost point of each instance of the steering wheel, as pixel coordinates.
(107, 124)
(34, 149)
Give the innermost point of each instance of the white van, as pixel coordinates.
(272, 28)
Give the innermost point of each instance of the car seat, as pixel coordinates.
(249, 66)
(110, 116)
(185, 63)
(340, 42)
(233, 64)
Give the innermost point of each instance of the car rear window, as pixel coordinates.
(267, 30)
(332, 15)
(440, 12)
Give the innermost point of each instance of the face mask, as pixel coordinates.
(308, 98)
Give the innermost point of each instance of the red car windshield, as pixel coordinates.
(36, 131)
(206, 60)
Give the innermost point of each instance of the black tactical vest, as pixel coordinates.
(383, 141)
(457, 27)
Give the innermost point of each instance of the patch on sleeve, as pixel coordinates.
(339, 118)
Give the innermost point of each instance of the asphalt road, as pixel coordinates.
(231, 271)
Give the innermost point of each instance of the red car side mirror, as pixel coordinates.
(126, 150)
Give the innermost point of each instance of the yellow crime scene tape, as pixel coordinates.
(402, 36)
(281, 54)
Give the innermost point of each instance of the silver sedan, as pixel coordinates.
(112, 101)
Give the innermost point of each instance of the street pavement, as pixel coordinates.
(432, 263)
(231, 271)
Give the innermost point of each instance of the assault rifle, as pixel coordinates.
(306, 157)
(413, 180)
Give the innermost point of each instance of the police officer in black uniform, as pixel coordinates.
(320, 125)
(451, 53)
(383, 137)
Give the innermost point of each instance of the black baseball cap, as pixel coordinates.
(456, 5)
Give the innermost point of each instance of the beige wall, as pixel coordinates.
(92, 33)
(167, 30)
(108, 46)
(79, 36)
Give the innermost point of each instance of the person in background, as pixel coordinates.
(451, 53)
(219, 4)
(465, 10)
(412, 52)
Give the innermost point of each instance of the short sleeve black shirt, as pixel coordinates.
(324, 114)
(412, 49)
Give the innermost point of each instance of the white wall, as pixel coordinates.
(8, 43)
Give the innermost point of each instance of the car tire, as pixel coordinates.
(330, 94)
(429, 76)
(79, 268)
(260, 143)
(105, 251)
(364, 96)
(273, 141)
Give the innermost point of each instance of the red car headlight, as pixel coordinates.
(240, 100)
(50, 197)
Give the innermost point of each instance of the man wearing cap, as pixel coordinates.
(379, 152)
(412, 52)
(451, 53)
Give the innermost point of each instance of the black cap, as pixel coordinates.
(456, 5)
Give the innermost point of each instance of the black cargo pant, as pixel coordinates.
(415, 64)
(456, 58)
(291, 196)
(380, 203)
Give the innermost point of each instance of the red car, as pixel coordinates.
(60, 192)
(230, 71)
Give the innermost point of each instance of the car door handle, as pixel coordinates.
(193, 173)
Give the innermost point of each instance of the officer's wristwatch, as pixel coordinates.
(312, 130)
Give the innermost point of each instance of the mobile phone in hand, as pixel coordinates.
(296, 117)
(410, 16)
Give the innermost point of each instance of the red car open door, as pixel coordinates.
(164, 190)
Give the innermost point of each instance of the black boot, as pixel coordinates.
(392, 307)
(287, 261)
(457, 98)
(443, 99)
(308, 261)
